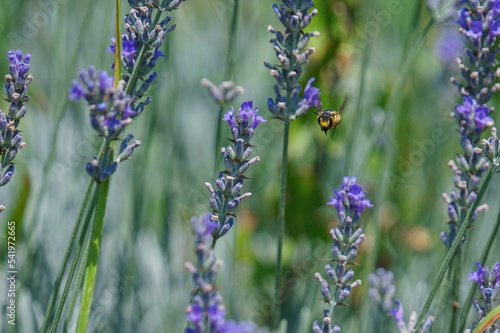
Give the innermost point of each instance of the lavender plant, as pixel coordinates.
(488, 285)
(382, 289)
(113, 102)
(222, 94)
(398, 314)
(349, 201)
(205, 313)
(479, 23)
(16, 92)
(292, 53)
(236, 159)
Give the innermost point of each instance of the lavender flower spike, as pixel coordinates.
(488, 285)
(16, 91)
(292, 53)
(479, 25)
(382, 289)
(398, 314)
(205, 313)
(237, 160)
(349, 201)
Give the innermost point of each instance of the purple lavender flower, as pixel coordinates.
(398, 314)
(236, 159)
(350, 202)
(226, 92)
(326, 327)
(16, 94)
(292, 53)
(479, 24)
(110, 111)
(143, 38)
(448, 45)
(382, 289)
(205, 313)
(309, 99)
(488, 285)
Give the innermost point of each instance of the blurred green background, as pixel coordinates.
(396, 136)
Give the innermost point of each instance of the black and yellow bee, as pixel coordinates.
(330, 119)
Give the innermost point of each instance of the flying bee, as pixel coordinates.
(330, 119)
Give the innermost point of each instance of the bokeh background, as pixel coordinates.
(393, 59)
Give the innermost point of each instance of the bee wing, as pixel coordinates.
(343, 104)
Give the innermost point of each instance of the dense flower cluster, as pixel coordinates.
(398, 314)
(491, 147)
(382, 289)
(113, 105)
(206, 314)
(479, 24)
(110, 111)
(237, 160)
(326, 327)
(349, 200)
(16, 94)
(488, 285)
(224, 93)
(292, 53)
(146, 36)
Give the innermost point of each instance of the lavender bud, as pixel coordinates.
(108, 172)
(330, 272)
(7, 175)
(344, 292)
(348, 275)
(10, 156)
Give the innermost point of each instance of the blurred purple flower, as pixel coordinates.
(448, 45)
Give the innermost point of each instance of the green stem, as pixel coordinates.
(455, 270)
(82, 212)
(393, 97)
(230, 54)
(91, 269)
(453, 250)
(484, 256)
(78, 282)
(281, 223)
(218, 136)
(74, 264)
(358, 111)
(228, 74)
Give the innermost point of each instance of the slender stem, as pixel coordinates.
(83, 211)
(228, 74)
(281, 222)
(393, 97)
(453, 250)
(79, 279)
(230, 54)
(484, 256)
(91, 269)
(455, 270)
(134, 76)
(74, 264)
(218, 135)
(118, 43)
(358, 111)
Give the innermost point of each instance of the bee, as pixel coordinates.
(330, 119)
